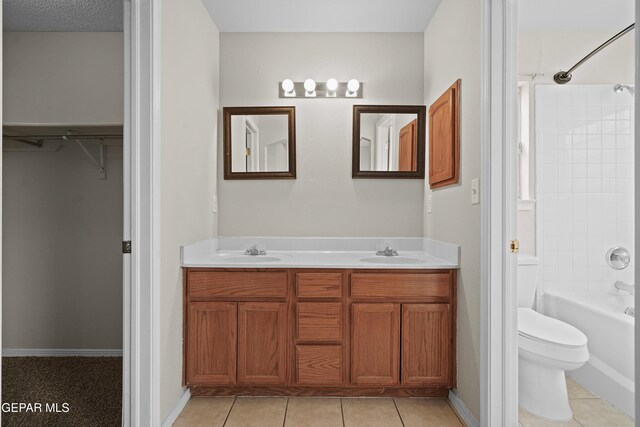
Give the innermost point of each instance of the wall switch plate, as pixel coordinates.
(214, 208)
(429, 203)
(475, 191)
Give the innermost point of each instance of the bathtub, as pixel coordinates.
(609, 373)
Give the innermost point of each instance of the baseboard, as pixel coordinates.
(60, 352)
(462, 411)
(177, 409)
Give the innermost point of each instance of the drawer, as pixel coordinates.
(319, 321)
(319, 364)
(237, 284)
(426, 287)
(319, 285)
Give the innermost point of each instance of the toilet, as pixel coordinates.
(546, 348)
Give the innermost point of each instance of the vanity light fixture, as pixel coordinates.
(309, 88)
(288, 88)
(332, 88)
(352, 88)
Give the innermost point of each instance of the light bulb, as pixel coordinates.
(309, 85)
(287, 85)
(332, 85)
(353, 85)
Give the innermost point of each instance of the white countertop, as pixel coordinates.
(359, 253)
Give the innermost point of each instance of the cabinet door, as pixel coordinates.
(375, 343)
(426, 344)
(262, 343)
(211, 335)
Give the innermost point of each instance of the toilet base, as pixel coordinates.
(543, 391)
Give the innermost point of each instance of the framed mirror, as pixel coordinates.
(259, 142)
(388, 141)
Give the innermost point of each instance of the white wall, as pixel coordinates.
(62, 263)
(189, 93)
(62, 276)
(451, 54)
(585, 145)
(391, 67)
(547, 52)
(63, 77)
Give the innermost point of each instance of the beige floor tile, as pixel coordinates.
(257, 412)
(370, 412)
(576, 391)
(313, 412)
(425, 412)
(205, 412)
(530, 420)
(598, 413)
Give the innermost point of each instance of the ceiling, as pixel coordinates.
(324, 16)
(63, 15)
(575, 15)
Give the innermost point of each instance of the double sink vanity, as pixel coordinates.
(320, 316)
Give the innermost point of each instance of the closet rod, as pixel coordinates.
(43, 137)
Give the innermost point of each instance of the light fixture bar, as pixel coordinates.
(321, 91)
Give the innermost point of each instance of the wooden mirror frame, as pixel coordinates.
(290, 112)
(419, 111)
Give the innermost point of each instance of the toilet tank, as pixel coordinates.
(527, 279)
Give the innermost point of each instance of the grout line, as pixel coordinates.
(230, 408)
(284, 421)
(398, 411)
(342, 413)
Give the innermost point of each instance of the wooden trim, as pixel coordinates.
(315, 390)
(290, 112)
(185, 324)
(450, 95)
(419, 110)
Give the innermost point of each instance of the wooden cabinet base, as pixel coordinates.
(227, 390)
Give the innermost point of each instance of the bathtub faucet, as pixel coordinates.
(622, 286)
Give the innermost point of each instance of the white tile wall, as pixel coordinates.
(584, 142)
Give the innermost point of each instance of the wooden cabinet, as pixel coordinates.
(426, 342)
(319, 332)
(375, 344)
(262, 343)
(212, 343)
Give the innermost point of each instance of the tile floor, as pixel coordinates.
(320, 412)
(588, 411)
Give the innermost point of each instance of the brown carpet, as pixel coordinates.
(91, 386)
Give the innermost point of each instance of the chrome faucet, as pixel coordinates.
(255, 250)
(622, 286)
(387, 251)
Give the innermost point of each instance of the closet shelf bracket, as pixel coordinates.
(99, 162)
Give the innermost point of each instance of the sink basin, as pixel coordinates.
(392, 260)
(251, 259)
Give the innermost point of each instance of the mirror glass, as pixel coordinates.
(259, 142)
(388, 141)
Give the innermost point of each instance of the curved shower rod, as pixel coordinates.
(562, 77)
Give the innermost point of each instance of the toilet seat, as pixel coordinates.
(550, 341)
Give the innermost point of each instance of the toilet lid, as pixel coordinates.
(536, 326)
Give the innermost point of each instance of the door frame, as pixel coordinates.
(499, 350)
(141, 268)
(498, 330)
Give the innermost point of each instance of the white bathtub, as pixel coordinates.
(609, 373)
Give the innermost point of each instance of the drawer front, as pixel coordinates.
(319, 365)
(319, 285)
(319, 321)
(427, 287)
(231, 284)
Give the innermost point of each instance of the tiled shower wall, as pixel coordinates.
(584, 141)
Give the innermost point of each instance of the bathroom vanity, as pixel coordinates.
(368, 331)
